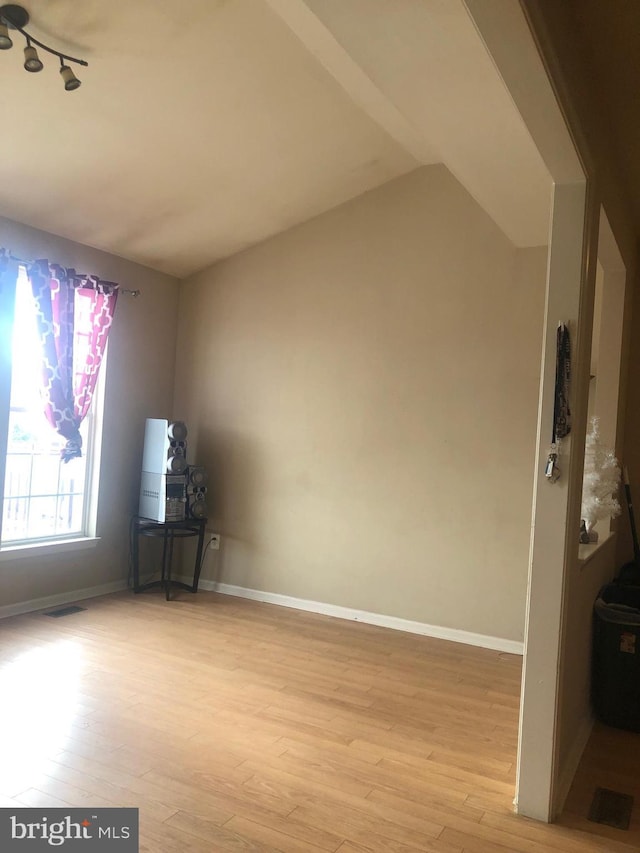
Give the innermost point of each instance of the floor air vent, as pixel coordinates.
(612, 808)
(65, 611)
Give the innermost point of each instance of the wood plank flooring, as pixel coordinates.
(611, 760)
(239, 726)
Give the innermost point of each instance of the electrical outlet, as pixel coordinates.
(214, 541)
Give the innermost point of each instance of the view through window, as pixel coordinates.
(44, 498)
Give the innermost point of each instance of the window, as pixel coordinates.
(45, 499)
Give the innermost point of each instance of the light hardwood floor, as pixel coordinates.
(611, 760)
(241, 726)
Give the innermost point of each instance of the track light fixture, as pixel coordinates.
(32, 61)
(13, 17)
(5, 38)
(71, 82)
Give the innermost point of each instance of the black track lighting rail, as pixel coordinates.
(14, 17)
(33, 40)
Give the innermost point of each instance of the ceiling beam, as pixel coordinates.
(322, 44)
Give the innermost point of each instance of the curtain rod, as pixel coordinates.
(80, 277)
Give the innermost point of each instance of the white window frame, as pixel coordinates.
(93, 450)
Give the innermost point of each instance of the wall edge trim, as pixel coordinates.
(382, 620)
(454, 635)
(34, 604)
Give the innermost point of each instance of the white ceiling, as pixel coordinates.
(197, 134)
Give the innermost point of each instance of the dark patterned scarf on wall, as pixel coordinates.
(561, 411)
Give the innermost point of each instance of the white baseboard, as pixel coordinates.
(396, 623)
(454, 635)
(568, 772)
(62, 598)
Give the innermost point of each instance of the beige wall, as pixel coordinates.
(363, 389)
(139, 384)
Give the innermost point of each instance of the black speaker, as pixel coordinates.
(196, 501)
(176, 457)
(197, 476)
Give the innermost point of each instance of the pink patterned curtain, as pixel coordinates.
(74, 316)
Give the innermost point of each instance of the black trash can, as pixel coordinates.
(615, 678)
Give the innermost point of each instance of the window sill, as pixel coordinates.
(588, 552)
(44, 549)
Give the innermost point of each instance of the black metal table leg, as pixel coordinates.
(169, 565)
(163, 576)
(198, 566)
(134, 532)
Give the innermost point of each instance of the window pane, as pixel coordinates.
(69, 515)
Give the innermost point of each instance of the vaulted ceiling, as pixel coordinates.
(206, 126)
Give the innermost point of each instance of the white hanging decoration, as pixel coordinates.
(601, 480)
